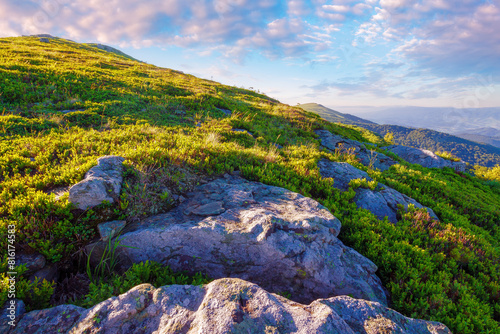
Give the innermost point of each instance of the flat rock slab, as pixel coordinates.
(366, 157)
(425, 158)
(101, 183)
(382, 202)
(226, 305)
(276, 238)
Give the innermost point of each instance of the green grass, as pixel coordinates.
(169, 127)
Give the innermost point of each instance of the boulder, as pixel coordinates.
(101, 183)
(367, 157)
(33, 262)
(382, 202)
(425, 158)
(276, 238)
(227, 305)
(341, 172)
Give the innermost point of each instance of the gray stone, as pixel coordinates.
(382, 202)
(44, 40)
(49, 273)
(227, 112)
(210, 209)
(101, 183)
(367, 157)
(58, 319)
(341, 172)
(226, 305)
(110, 229)
(425, 158)
(33, 262)
(268, 235)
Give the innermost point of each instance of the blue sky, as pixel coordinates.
(434, 53)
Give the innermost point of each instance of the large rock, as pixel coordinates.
(341, 172)
(101, 183)
(382, 202)
(425, 158)
(367, 157)
(226, 305)
(278, 239)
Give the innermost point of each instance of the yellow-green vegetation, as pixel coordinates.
(172, 129)
(447, 155)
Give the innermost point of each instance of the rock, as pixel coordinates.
(44, 40)
(367, 157)
(58, 319)
(425, 158)
(101, 183)
(382, 202)
(227, 112)
(226, 305)
(11, 312)
(278, 239)
(333, 142)
(58, 192)
(341, 172)
(49, 273)
(110, 229)
(210, 209)
(33, 262)
(385, 202)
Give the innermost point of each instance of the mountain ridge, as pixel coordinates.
(469, 151)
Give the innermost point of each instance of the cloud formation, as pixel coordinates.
(434, 39)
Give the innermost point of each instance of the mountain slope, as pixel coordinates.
(469, 151)
(65, 104)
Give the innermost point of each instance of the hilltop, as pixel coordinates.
(474, 149)
(175, 143)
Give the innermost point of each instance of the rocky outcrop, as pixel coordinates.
(366, 157)
(101, 183)
(425, 158)
(341, 172)
(382, 202)
(278, 239)
(226, 305)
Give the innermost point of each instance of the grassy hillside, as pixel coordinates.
(469, 151)
(66, 104)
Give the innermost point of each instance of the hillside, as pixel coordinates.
(177, 143)
(473, 152)
(490, 136)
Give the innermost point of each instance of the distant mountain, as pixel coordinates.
(449, 120)
(469, 151)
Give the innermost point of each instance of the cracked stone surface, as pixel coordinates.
(366, 157)
(101, 183)
(276, 238)
(382, 202)
(227, 305)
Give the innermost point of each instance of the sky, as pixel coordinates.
(351, 53)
